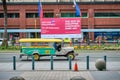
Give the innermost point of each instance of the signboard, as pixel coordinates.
(61, 28)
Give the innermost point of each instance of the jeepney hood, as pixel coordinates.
(68, 48)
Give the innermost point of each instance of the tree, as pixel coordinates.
(5, 42)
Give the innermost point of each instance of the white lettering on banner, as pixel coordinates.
(61, 27)
(69, 24)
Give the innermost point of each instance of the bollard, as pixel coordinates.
(105, 58)
(33, 63)
(70, 63)
(51, 61)
(14, 62)
(87, 62)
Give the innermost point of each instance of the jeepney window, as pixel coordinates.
(40, 44)
(34, 44)
(25, 44)
(51, 44)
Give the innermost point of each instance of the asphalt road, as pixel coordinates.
(60, 67)
(111, 56)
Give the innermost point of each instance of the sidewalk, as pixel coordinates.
(61, 75)
(42, 71)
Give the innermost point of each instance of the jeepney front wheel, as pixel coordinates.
(36, 56)
(71, 56)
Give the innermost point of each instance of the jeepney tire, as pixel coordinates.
(71, 55)
(36, 56)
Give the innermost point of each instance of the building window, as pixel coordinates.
(48, 15)
(67, 14)
(106, 14)
(84, 15)
(31, 15)
(35, 15)
(10, 15)
(13, 15)
(1, 15)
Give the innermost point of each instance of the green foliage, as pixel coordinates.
(10, 48)
(97, 47)
(4, 44)
(114, 47)
(91, 47)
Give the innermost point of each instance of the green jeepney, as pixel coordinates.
(38, 47)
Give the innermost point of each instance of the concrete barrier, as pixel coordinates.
(77, 78)
(100, 64)
(17, 78)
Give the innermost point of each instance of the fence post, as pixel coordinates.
(33, 63)
(70, 63)
(14, 62)
(51, 61)
(87, 62)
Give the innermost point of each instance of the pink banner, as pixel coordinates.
(60, 26)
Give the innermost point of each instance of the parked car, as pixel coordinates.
(1, 39)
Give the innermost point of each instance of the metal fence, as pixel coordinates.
(83, 63)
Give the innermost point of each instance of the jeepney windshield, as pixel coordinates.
(25, 44)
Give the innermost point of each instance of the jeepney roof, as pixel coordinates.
(39, 40)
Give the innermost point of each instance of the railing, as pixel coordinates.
(70, 62)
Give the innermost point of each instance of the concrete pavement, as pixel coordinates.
(61, 75)
(42, 71)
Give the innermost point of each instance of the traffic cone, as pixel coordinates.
(76, 67)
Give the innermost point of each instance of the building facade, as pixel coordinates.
(98, 17)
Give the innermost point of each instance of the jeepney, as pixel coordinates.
(39, 47)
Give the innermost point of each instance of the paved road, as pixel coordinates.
(61, 67)
(112, 56)
(61, 63)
